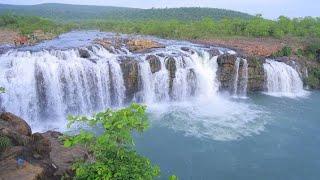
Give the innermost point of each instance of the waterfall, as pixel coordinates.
(49, 85)
(282, 79)
(236, 77)
(240, 82)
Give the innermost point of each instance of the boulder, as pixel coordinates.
(62, 157)
(84, 53)
(155, 64)
(186, 49)
(16, 123)
(41, 156)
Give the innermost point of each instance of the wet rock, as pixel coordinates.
(192, 81)
(213, 52)
(186, 49)
(226, 72)
(84, 53)
(256, 75)
(171, 67)
(155, 64)
(142, 45)
(130, 71)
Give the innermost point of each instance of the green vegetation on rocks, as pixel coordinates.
(5, 142)
(111, 152)
(313, 79)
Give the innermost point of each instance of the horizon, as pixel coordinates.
(248, 6)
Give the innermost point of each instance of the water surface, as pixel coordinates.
(281, 143)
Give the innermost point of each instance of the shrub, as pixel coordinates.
(4, 143)
(313, 79)
(2, 90)
(111, 153)
(285, 51)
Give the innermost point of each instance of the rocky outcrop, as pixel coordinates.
(170, 64)
(155, 64)
(142, 45)
(130, 71)
(256, 75)
(227, 70)
(34, 156)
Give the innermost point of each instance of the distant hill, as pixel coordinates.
(66, 12)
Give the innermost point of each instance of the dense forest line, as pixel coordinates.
(65, 12)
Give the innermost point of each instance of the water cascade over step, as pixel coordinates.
(240, 82)
(48, 85)
(282, 79)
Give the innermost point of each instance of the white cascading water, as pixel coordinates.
(282, 80)
(51, 84)
(240, 82)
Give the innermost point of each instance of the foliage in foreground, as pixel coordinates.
(2, 90)
(111, 153)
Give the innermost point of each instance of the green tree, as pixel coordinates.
(111, 152)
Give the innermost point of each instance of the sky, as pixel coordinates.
(268, 8)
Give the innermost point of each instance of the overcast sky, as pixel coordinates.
(268, 8)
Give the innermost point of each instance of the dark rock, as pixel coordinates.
(84, 53)
(155, 64)
(170, 63)
(185, 49)
(256, 75)
(226, 71)
(213, 52)
(130, 71)
(188, 50)
(62, 157)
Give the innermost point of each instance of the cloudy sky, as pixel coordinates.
(269, 8)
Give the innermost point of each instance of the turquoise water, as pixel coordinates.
(281, 142)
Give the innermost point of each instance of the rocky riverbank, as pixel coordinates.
(33, 155)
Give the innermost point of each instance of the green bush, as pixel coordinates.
(4, 143)
(285, 51)
(313, 79)
(111, 153)
(2, 90)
